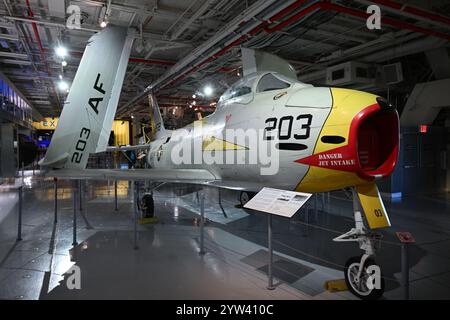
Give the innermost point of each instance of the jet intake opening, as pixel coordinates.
(378, 138)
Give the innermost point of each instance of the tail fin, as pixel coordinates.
(156, 121)
(86, 119)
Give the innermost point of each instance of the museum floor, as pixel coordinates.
(167, 264)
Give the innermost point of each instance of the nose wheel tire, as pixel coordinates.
(367, 287)
(245, 197)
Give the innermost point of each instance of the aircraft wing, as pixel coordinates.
(201, 176)
(128, 148)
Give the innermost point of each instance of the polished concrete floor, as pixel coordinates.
(167, 265)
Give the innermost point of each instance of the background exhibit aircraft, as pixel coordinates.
(327, 138)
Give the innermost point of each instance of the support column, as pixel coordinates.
(8, 167)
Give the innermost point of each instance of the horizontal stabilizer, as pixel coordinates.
(372, 205)
(155, 175)
(128, 148)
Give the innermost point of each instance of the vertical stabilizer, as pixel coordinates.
(156, 120)
(86, 119)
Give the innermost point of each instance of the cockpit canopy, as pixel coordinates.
(242, 91)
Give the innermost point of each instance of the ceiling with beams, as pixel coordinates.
(183, 45)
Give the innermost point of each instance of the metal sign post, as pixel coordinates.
(406, 239)
(276, 202)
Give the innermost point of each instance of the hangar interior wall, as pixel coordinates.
(422, 166)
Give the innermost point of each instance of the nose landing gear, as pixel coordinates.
(359, 278)
(362, 275)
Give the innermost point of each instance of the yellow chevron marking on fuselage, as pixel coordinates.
(214, 144)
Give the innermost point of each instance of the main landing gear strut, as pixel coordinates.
(362, 275)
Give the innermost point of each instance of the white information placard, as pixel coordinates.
(279, 202)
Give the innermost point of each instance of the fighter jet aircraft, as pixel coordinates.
(268, 130)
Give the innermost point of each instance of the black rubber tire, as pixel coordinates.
(148, 206)
(245, 197)
(375, 293)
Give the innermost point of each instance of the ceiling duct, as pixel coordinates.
(350, 73)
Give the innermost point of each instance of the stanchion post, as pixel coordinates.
(19, 224)
(80, 194)
(55, 180)
(323, 201)
(74, 226)
(307, 210)
(115, 196)
(270, 285)
(328, 201)
(136, 199)
(316, 205)
(405, 271)
(202, 224)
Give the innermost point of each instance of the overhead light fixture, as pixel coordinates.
(103, 24)
(194, 96)
(194, 102)
(63, 86)
(61, 51)
(60, 77)
(64, 63)
(208, 91)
